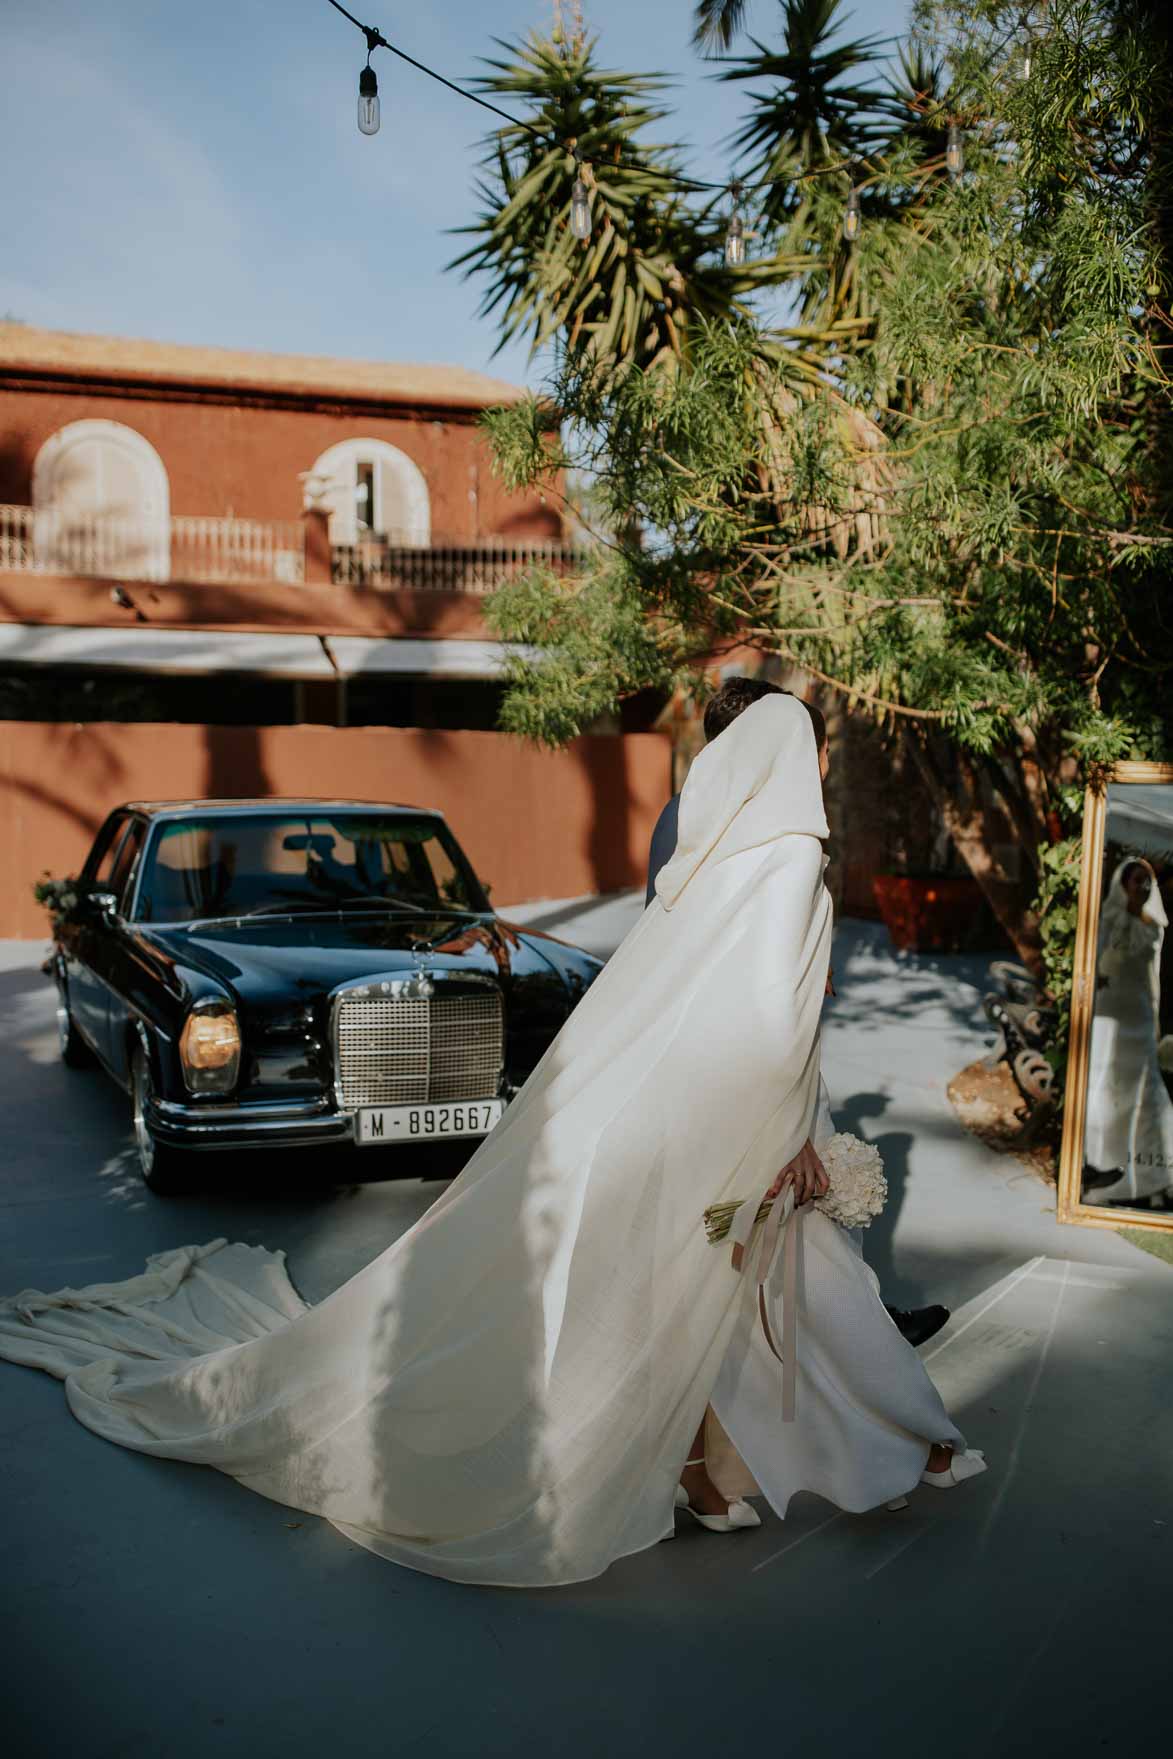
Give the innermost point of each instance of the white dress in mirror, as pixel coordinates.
(1129, 1112)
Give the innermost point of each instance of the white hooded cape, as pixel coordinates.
(507, 1394)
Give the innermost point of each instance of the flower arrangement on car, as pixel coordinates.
(59, 896)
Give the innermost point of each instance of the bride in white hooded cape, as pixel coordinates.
(507, 1394)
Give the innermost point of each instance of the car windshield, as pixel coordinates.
(265, 863)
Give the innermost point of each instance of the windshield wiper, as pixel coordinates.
(384, 902)
(317, 905)
(327, 906)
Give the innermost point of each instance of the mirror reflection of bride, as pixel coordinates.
(1128, 1146)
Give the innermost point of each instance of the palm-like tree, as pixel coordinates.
(653, 265)
(653, 268)
(718, 22)
(814, 117)
(823, 122)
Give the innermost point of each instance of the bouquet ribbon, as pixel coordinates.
(788, 1226)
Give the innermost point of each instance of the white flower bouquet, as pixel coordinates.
(857, 1193)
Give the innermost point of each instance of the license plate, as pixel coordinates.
(380, 1124)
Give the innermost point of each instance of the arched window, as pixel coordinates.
(372, 490)
(102, 503)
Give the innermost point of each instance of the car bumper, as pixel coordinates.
(264, 1124)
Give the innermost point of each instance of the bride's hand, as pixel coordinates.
(809, 1178)
(806, 1173)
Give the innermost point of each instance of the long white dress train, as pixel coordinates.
(507, 1393)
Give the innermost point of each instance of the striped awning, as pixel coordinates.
(200, 652)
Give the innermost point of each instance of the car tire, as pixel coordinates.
(75, 1052)
(162, 1169)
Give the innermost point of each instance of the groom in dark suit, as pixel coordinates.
(917, 1324)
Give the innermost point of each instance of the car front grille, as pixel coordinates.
(398, 1050)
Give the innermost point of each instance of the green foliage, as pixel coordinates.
(1058, 910)
(718, 22)
(526, 439)
(1057, 903)
(652, 264)
(946, 485)
(812, 116)
(597, 647)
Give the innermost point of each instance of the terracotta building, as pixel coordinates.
(239, 573)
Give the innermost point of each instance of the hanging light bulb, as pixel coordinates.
(368, 101)
(580, 209)
(852, 218)
(1028, 58)
(735, 230)
(954, 152)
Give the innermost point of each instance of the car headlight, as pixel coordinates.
(209, 1048)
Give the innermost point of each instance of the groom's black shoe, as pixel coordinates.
(919, 1324)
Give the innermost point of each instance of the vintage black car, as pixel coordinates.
(284, 973)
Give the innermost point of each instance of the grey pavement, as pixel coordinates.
(161, 1610)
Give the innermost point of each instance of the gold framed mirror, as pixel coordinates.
(1116, 1160)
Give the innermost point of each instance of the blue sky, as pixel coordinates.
(194, 174)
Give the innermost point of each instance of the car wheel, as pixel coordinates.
(75, 1052)
(160, 1166)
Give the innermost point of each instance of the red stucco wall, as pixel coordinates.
(226, 460)
(536, 824)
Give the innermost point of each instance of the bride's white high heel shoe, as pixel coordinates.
(960, 1467)
(738, 1514)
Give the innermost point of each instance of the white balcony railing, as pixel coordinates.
(220, 551)
(230, 551)
(446, 566)
(237, 549)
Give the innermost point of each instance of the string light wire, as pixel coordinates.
(376, 40)
(734, 187)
